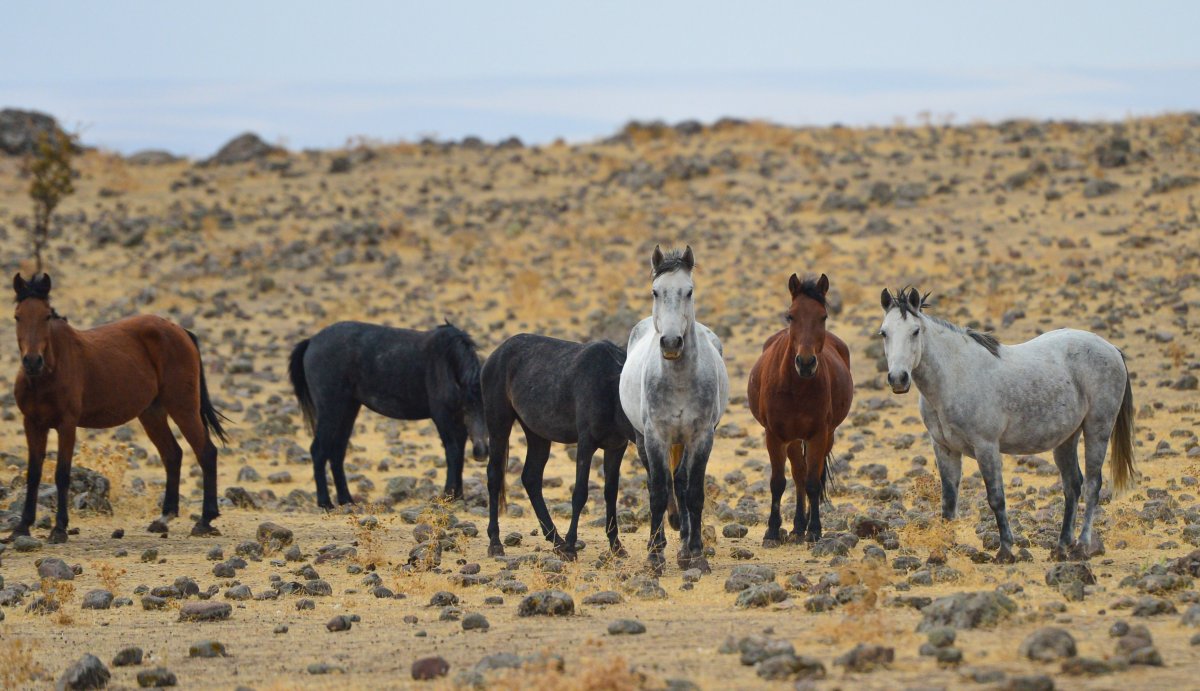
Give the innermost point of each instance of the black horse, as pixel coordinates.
(560, 391)
(399, 373)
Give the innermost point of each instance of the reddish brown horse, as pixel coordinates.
(143, 367)
(800, 391)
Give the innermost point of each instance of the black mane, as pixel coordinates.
(460, 351)
(672, 261)
(901, 301)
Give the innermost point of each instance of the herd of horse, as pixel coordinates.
(666, 392)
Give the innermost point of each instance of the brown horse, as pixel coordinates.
(143, 367)
(800, 391)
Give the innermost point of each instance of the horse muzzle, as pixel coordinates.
(671, 347)
(479, 452)
(806, 367)
(33, 365)
(900, 382)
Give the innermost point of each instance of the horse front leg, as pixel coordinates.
(62, 481)
(949, 464)
(989, 467)
(816, 455)
(584, 452)
(35, 439)
(697, 464)
(453, 434)
(776, 450)
(612, 483)
(660, 489)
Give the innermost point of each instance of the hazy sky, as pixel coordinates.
(188, 76)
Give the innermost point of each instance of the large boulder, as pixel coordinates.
(242, 148)
(20, 130)
(968, 611)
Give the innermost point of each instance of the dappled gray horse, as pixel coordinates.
(982, 399)
(674, 389)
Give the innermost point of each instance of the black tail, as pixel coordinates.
(212, 418)
(300, 384)
(826, 476)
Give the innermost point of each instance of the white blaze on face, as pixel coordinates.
(674, 311)
(901, 335)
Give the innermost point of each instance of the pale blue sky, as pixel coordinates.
(189, 76)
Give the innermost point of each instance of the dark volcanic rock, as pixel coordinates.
(430, 668)
(551, 603)
(1048, 644)
(20, 130)
(240, 149)
(205, 611)
(87, 673)
(968, 610)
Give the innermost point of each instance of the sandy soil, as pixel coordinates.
(993, 220)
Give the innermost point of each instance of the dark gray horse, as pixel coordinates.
(560, 391)
(398, 373)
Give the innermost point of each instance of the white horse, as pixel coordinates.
(674, 389)
(982, 399)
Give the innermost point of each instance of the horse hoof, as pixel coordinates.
(655, 564)
(770, 543)
(201, 530)
(327, 507)
(1078, 552)
(19, 531)
(812, 537)
(796, 537)
(1005, 556)
(496, 550)
(617, 550)
(57, 536)
(1061, 553)
(566, 553)
(158, 526)
(699, 563)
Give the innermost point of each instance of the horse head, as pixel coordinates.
(806, 322)
(34, 316)
(902, 336)
(674, 311)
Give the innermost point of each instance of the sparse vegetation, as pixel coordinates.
(50, 171)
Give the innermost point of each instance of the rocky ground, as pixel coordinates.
(1016, 228)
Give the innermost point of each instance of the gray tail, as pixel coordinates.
(300, 384)
(826, 476)
(1122, 442)
(211, 416)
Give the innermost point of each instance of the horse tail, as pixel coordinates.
(300, 384)
(211, 416)
(826, 476)
(1122, 441)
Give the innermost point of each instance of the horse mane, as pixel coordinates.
(901, 301)
(808, 288)
(672, 261)
(460, 351)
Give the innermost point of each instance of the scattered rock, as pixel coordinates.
(1048, 645)
(86, 673)
(551, 603)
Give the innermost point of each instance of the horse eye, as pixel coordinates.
(654, 293)
(916, 331)
(689, 295)
(883, 334)
(787, 318)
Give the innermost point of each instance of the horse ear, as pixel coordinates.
(914, 299)
(19, 285)
(689, 259)
(823, 284)
(656, 258)
(42, 286)
(794, 285)
(885, 299)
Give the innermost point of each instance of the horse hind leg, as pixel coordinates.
(1066, 457)
(192, 426)
(1095, 445)
(612, 483)
(531, 478)
(154, 421)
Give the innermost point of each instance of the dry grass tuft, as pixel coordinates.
(17, 666)
(109, 575)
(60, 593)
(590, 674)
(926, 489)
(936, 533)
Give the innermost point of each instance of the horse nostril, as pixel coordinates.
(670, 342)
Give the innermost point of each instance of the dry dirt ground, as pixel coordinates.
(1015, 228)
